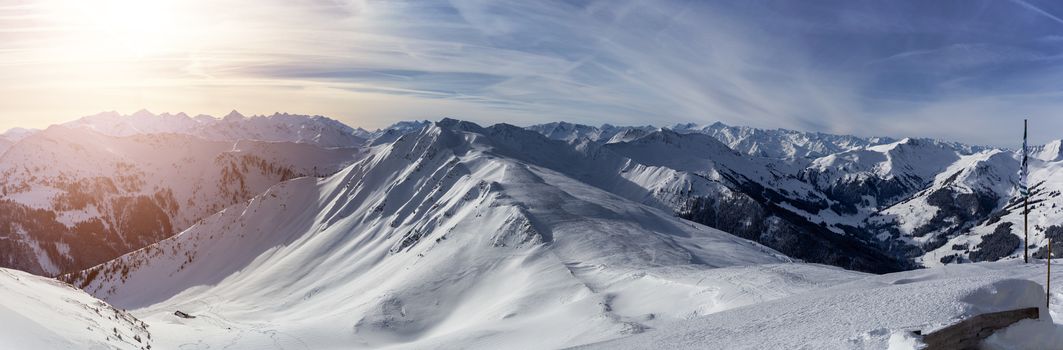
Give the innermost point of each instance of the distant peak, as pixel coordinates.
(685, 126)
(233, 115)
(107, 114)
(142, 113)
(455, 124)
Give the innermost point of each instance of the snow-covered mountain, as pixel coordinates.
(927, 201)
(781, 143)
(1048, 152)
(753, 197)
(393, 132)
(17, 134)
(445, 236)
(72, 198)
(879, 175)
(42, 313)
(982, 201)
(774, 143)
(317, 130)
(875, 204)
(462, 236)
(606, 133)
(5, 144)
(11, 136)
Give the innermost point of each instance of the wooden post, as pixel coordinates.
(1048, 276)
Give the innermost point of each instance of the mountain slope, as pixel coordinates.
(763, 200)
(5, 144)
(606, 133)
(41, 313)
(73, 198)
(877, 312)
(781, 143)
(279, 127)
(441, 238)
(999, 233)
(696, 177)
(17, 134)
(769, 143)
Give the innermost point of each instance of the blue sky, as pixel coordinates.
(961, 70)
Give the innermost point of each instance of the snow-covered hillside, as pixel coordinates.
(42, 313)
(606, 133)
(5, 144)
(17, 134)
(760, 199)
(781, 143)
(316, 130)
(875, 312)
(439, 238)
(1000, 233)
(8, 138)
(462, 236)
(770, 143)
(927, 201)
(874, 205)
(73, 198)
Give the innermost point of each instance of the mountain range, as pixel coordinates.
(300, 231)
(872, 204)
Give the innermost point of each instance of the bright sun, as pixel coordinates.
(118, 29)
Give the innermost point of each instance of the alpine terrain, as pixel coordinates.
(450, 234)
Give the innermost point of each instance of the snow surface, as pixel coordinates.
(453, 237)
(775, 143)
(42, 313)
(431, 241)
(5, 144)
(873, 312)
(17, 134)
(189, 177)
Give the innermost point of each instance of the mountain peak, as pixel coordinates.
(1049, 152)
(234, 115)
(455, 124)
(142, 113)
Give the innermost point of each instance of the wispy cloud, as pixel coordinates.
(836, 66)
(1038, 10)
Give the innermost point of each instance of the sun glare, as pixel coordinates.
(118, 29)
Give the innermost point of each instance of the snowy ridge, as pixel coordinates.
(393, 132)
(317, 130)
(438, 238)
(458, 235)
(885, 173)
(930, 201)
(1049, 152)
(999, 235)
(781, 143)
(770, 143)
(73, 198)
(17, 134)
(873, 205)
(606, 133)
(5, 144)
(42, 313)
